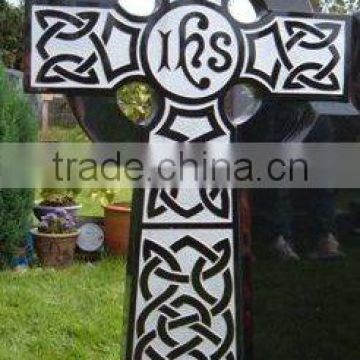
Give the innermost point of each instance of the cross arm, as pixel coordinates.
(96, 46)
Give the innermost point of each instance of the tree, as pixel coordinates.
(11, 34)
(339, 6)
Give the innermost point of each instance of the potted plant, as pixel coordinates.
(116, 221)
(57, 199)
(55, 239)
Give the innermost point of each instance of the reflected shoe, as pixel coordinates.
(328, 249)
(284, 250)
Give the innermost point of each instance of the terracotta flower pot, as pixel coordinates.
(55, 250)
(117, 228)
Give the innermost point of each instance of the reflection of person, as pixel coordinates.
(275, 122)
(278, 214)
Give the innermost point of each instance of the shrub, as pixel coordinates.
(17, 124)
(11, 34)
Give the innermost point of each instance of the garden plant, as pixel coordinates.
(55, 238)
(17, 124)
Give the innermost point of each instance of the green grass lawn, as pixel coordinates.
(305, 311)
(69, 314)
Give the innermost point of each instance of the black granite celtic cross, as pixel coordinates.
(186, 288)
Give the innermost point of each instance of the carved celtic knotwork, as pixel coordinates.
(186, 304)
(300, 34)
(170, 202)
(66, 27)
(187, 252)
(199, 45)
(306, 56)
(74, 47)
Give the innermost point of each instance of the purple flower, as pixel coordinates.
(58, 222)
(61, 213)
(49, 217)
(69, 217)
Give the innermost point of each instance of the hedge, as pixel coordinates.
(17, 124)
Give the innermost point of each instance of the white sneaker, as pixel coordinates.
(328, 249)
(284, 250)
